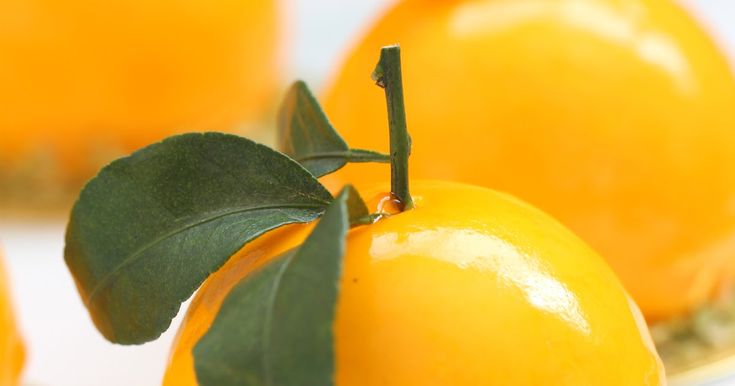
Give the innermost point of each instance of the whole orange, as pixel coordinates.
(616, 117)
(12, 354)
(470, 287)
(84, 80)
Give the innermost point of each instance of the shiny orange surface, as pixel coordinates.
(616, 117)
(12, 354)
(472, 287)
(84, 80)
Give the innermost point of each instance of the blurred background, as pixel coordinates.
(64, 348)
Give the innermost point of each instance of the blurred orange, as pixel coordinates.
(86, 79)
(617, 117)
(12, 354)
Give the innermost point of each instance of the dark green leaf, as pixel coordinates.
(275, 326)
(306, 135)
(149, 228)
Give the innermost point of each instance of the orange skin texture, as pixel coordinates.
(85, 77)
(472, 287)
(12, 353)
(615, 117)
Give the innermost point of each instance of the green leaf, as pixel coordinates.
(275, 326)
(356, 207)
(306, 135)
(149, 228)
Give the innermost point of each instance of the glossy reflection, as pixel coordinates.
(614, 116)
(487, 254)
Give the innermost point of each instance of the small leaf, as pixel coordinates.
(149, 228)
(275, 326)
(306, 135)
(355, 205)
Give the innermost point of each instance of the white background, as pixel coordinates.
(64, 347)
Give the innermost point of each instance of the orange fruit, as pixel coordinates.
(12, 353)
(616, 117)
(85, 80)
(471, 287)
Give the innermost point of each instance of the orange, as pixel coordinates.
(616, 117)
(471, 287)
(12, 354)
(85, 80)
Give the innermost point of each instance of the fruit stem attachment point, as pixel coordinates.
(387, 75)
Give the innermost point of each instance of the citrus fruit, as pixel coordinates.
(613, 116)
(86, 80)
(12, 354)
(470, 287)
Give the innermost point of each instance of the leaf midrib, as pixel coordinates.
(134, 257)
